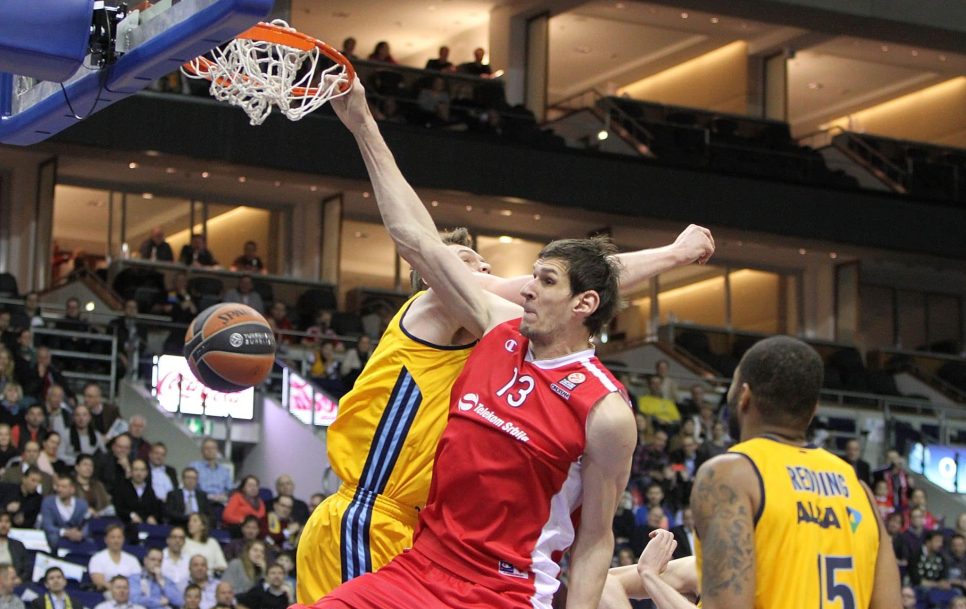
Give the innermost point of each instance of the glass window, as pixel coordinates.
(81, 218)
(230, 226)
(877, 316)
(756, 301)
(693, 294)
(143, 213)
(368, 257)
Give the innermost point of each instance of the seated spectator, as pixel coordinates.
(882, 499)
(120, 592)
(245, 294)
(908, 544)
(282, 528)
(81, 437)
(717, 445)
(24, 359)
(956, 562)
(853, 456)
(917, 499)
(72, 321)
(929, 568)
(349, 49)
(656, 519)
(8, 339)
(112, 560)
(654, 498)
(8, 450)
(249, 262)
(103, 414)
(114, 466)
(434, 101)
(684, 534)
(213, 477)
(189, 499)
(164, 478)
(287, 562)
(897, 477)
(278, 319)
(285, 486)
(31, 429)
(664, 411)
(196, 253)
(17, 468)
(676, 441)
(315, 501)
(224, 595)
(13, 551)
(651, 459)
(326, 369)
(90, 489)
(30, 316)
(140, 446)
(669, 388)
(48, 461)
(59, 414)
(381, 53)
(64, 515)
(174, 562)
(623, 524)
(245, 501)
(202, 579)
(199, 543)
(12, 402)
(476, 67)
(270, 593)
(132, 336)
(181, 307)
(55, 595)
(909, 600)
(134, 499)
(442, 62)
(245, 571)
(8, 581)
(250, 531)
(691, 405)
(704, 421)
(22, 500)
(150, 588)
(355, 360)
(192, 597)
(37, 377)
(155, 248)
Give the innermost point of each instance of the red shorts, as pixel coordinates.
(412, 581)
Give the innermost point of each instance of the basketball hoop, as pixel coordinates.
(270, 65)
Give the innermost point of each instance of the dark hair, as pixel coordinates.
(956, 536)
(457, 236)
(83, 457)
(785, 377)
(75, 434)
(591, 265)
(241, 485)
(114, 526)
(161, 444)
(930, 535)
(118, 577)
(95, 383)
(248, 519)
(6, 514)
(51, 570)
(31, 470)
(186, 470)
(188, 587)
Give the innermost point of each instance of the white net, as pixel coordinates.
(257, 75)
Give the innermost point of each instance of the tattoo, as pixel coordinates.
(725, 527)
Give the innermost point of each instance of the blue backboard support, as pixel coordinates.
(158, 47)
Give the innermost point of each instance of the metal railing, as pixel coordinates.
(110, 358)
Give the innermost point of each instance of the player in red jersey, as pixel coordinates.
(538, 446)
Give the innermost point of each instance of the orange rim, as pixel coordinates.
(274, 34)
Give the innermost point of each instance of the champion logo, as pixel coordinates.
(468, 401)
(511, 345)
(236, 340)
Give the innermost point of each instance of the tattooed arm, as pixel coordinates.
(724, 499)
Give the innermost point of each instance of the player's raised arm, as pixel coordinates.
(694, 244)
(724, 500)
(408, 222)
(605, 469)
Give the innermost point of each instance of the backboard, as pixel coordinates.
(153, 39)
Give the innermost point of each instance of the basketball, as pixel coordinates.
(230, 347)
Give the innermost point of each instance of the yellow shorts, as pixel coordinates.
(352, 532)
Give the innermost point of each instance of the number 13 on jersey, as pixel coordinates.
(524, 385)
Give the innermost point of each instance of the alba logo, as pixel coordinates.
(468, 401)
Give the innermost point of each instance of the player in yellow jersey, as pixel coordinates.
(383, 441)
(780, 523)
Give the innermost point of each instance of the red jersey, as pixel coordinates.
(507, 488)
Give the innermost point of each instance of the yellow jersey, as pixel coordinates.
(816, 534)
(385, 435)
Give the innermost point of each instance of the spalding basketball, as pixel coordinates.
(230, 347)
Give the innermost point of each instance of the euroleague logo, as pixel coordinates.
(236, 340)
(468, 401)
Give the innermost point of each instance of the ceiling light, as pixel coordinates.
(602, 135)
(147, 195)
(505, 239)
(914, 53)
(685, 15)
(619, 6)
(505, 212)
(802, 251)
(205, 174)
(313, 187)
(536, 216)
(152, 153)
(361, 235)
(885, 48)
(434, 203)
(89, 306)
(242, 179)
(365, 194)
(815, 85)
(277, 183)
(715, 20)
(942, 58)
(132, 165)
(469, 208)
(170, 170)
(833, 255)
